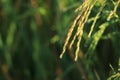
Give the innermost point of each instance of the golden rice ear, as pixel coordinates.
(78, 44)
(69, 35)
(96, 17)
(79, 22)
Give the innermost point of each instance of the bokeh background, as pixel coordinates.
(32, 34)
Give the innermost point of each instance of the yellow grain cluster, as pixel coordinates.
(79, 22)
(84, 11)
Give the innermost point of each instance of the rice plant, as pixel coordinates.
(34, 32)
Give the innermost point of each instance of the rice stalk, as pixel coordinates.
(114, 10)
(116, 75)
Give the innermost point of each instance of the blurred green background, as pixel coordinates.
(32, 34)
